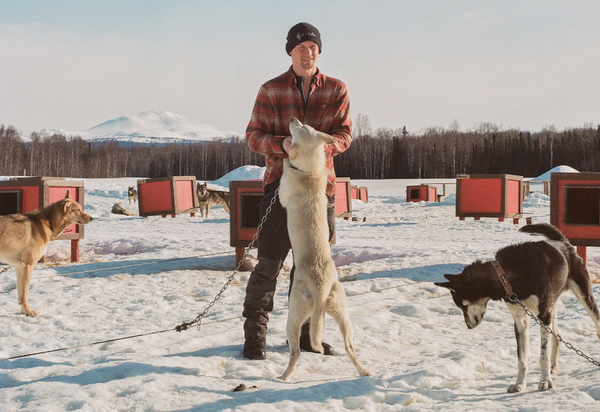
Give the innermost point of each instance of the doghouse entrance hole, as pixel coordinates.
(582, 205)
(414, 194)
(10, 202)
(250, 209)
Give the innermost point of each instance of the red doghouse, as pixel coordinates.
(24, 194)
(343, 197)
(427, 193)
(575, 208)
(164, 196)
(499, 196)
(360, 193)
(363, 194)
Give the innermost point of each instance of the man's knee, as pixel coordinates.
(268, 268)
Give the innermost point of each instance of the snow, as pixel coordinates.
(557, 169)
(141, 275)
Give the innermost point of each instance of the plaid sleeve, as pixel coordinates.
(259, 133)
(341, 127)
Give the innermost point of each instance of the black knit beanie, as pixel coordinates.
(300, 33)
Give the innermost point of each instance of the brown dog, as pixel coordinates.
(208, 198)
(25, 237)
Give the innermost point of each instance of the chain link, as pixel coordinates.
(4, 270)
(515, 299)
(198, 319)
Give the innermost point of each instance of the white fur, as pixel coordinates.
(521, 320)
(316, 289)
(475, 311)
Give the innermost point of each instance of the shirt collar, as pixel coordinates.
(317, 80)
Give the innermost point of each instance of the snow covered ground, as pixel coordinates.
(143, 275)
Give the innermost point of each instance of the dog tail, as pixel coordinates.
(546, 229)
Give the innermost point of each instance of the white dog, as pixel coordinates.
(316, 289)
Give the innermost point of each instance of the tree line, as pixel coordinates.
(380, 154)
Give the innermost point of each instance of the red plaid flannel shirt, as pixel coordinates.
(279, 100)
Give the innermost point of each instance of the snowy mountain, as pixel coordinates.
(152, 127)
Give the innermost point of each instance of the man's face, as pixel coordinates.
(305, 55)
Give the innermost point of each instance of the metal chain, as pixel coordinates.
(4, 270)
(198, 319)
(515, 299)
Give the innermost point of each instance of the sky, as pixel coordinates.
(73, 64)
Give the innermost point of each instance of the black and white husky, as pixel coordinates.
(132, 195)
(538, 272)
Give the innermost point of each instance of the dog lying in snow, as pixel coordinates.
(538, 272)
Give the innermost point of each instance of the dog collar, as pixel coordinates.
(503, 278)
(295, 168)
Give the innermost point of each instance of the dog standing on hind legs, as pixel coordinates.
(25, 237)
(538, 272)
(316, 289)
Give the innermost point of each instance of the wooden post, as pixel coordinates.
(239, 255)
(74, 250)
(582, 251)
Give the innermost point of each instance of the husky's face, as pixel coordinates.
(303, 134)
(473, 311)
(472, 308)
(201, 188)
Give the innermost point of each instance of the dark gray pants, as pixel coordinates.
(273, 247)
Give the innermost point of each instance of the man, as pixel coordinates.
(315, 99)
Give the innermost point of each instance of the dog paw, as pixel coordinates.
(516, 388)
(29, 312)
(545, 385)
(364, 372)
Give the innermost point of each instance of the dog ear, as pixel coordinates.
(451, 281)
(67, 196)
(293, 153)
(447, 285)
(66, 206)
(326, 138)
